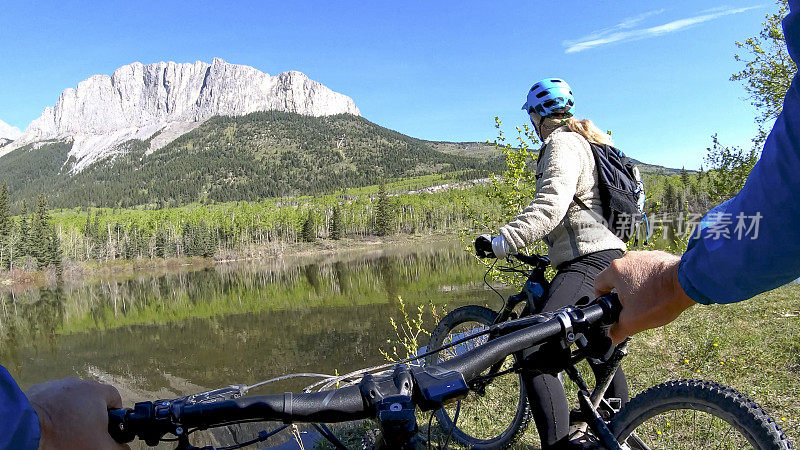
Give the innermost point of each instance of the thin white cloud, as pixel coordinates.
(622, 32)
(626, 24)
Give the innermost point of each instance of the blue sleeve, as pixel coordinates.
(750, 244)
(19, 424)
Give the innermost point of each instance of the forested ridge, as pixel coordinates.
(260, 155)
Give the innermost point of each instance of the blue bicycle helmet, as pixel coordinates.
(550, 97)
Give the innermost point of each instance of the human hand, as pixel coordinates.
(73, 413)
(483, 246)
(647, 286)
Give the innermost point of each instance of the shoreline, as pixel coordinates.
(88, 272)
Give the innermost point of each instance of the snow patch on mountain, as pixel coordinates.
(8, 133)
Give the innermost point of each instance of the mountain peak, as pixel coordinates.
(7, 132)
(137, 101)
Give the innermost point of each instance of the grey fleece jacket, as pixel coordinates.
(565, 169)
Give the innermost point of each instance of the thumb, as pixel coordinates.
(110, 394)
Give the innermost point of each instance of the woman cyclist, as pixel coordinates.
(578, 244)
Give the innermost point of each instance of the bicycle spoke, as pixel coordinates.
(686, 429)
(490, 413)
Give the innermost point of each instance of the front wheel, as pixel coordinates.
(692, 414)
(499, 414)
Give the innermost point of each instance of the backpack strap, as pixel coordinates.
(597, 217)
(580, 203)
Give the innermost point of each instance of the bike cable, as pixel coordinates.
(286, 377)
(430, 425)
(263, 435)
(486, 282)
(452, 428)
(328, 434)
(514, 268)
(349, 377)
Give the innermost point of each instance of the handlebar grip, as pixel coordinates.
(117, 426)
(612, 308)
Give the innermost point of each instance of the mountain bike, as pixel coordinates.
(504, 398)
(393, 394)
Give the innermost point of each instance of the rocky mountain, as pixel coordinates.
(227, 158)
(159, 102)
(8, 133)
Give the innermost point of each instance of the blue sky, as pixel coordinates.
(655, 73)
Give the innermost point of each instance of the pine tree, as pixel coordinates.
(684, 176)
(55, 256)
(23, 244)
(161, 243)
(87, 229)
(384, 213)
(204, 239)
(40, 233)
(189, 240)
(309, 232)
(5, 227)
(94, 238)
(336, 223)
(670, 198)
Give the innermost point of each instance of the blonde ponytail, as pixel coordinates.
(588, 130)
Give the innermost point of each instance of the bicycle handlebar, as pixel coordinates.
(534, 260)
(152, 420)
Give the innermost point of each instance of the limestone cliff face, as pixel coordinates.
(139, 100)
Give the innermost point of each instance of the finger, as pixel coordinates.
(604, 282)
(616, 334)
(111, 395)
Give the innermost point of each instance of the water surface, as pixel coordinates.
(179, 333)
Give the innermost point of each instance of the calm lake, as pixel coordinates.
(235, 323)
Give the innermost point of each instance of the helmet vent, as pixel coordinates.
(541, 94)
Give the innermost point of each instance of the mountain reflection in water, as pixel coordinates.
(236, 323)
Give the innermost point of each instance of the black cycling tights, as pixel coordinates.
(575, 279)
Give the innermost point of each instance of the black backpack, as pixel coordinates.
(621, 192)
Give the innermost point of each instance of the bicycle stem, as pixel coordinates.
(609, 370)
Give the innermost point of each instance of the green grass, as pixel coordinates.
(752, 346)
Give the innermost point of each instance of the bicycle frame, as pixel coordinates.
(593, 406)
(595, 409)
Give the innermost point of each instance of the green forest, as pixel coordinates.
(39, 237)
(260, 155)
